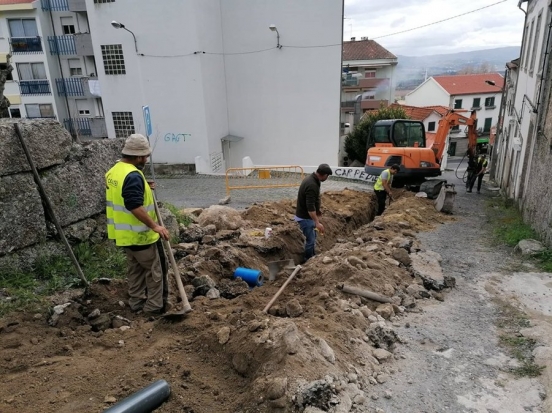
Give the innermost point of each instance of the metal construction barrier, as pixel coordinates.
(263, 177)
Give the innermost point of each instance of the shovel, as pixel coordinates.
(186, 307)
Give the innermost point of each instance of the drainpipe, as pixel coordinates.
(544, 61)
(61, 72)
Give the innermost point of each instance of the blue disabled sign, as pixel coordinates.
(147, 120)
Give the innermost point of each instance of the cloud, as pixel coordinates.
(496, 26)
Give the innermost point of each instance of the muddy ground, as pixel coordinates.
(318, 348)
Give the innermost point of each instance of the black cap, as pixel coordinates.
(324, 169)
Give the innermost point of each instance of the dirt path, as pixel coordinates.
(453, 361)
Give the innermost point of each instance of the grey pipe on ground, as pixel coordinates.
(143, 401)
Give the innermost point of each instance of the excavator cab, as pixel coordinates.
(398, 133)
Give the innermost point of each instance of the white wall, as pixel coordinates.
(286, 102)
(429, 93)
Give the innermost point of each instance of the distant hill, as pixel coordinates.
(411, 70)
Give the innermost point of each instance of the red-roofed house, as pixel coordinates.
(480, 92)
(368, 78)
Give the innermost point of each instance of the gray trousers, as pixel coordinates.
(145, 279)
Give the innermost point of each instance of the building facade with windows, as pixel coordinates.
(54, 66)
(367, 79)
(219, 83)
(479, 92)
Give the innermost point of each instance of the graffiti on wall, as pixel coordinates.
(176, 137)
(354, 173)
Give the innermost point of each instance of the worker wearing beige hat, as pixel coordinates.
(132, 223)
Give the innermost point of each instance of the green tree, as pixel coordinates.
(355, 142)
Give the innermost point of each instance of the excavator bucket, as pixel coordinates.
(445, 200)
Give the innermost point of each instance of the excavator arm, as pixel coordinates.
(451, 119)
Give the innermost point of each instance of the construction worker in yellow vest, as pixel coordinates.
(479, 171)
(382, 187)
(132, 223)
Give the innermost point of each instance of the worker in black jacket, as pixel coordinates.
(308, 208)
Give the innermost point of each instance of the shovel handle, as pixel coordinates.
(186, 307)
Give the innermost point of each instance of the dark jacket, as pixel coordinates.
(308, 197)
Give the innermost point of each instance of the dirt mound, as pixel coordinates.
(317, 346)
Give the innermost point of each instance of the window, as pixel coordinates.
(455, 129)
(431, 127)
(529, 43)
(490, 102)
(15, 112)
(113, 59)
(123, 123)
(476, 103)
(458, 104)
(75, 71)
(4, 66)
(524, 46)
(68, 25)
(370, 74)
(535, 44)
(488, 124)
(40, 111)
(31, 71)
(23, 28)
(84, 112)
(103, 1)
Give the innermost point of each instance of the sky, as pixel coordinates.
(496, 26)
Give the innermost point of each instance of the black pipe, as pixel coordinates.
(143, 401)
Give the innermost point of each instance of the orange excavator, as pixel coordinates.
(403, 142)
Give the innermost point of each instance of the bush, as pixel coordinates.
(355, 142)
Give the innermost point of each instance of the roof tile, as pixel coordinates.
(365, 50)
(470, 84)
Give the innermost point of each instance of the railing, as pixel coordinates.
(54, 5)
(264, 177)
(348, 104)
(23, 45)
(62, 45)
(34, 87)
(78, 126)
(70, 87)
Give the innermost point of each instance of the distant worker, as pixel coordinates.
(308, 208)
(480, 169)
(132, 223)
(382, 187)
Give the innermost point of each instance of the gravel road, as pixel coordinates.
(452, 360)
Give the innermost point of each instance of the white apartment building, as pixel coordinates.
(220, 84)
(54, 72)
(480, 92)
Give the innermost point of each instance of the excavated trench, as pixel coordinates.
(227, 352)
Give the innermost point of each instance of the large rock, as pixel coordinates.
(529, 247)
(49, 144)
(222, 217)
(22, 221)
(77, 188)
(170, 222)
(427, 266)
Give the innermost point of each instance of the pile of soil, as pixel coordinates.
(317, 348)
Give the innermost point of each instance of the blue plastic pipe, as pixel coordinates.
(143, 401)
(253, 278)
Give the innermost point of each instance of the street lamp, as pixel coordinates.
(119, 25)
(275, 29)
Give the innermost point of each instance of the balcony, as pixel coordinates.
(26, 45)
(70, 87)
(370, 83)
(54, 5)
(77, 5)
(348, 105)
(62, 45)
(87, 127)
(34, 87)
(371, 104)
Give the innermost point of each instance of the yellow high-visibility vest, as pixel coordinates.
(379, 185)
(122, 225)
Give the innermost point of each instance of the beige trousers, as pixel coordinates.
(145, 279)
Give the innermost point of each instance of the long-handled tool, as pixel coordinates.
(49, 207)
(186, 307)
(282, 288)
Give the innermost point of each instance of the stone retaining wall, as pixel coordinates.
(72, 175)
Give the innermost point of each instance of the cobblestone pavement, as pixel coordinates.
(201, 191)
